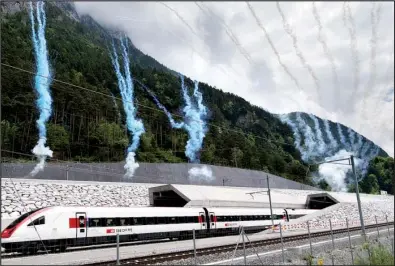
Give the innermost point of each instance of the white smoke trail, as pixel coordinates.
(335, 174)
(320, 140)
(194, 32)
(366, 146)
(327, 53)
(181, 18)
(131, 164)
(332, 140)
(374, 19)
(351, 137)
(308, 138)
(42, 153)
(360, 144)
(229, 32)
(273, 47)
(202, 173)
(289, 31)
(297, 139)
(341, 136)
(353, 44)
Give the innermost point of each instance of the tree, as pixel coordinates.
(322, 184)
(237, 155)
(58, 137)
(370, 185)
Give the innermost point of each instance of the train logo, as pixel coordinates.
(123, 230)
(230, 224)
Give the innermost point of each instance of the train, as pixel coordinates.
(57, 228)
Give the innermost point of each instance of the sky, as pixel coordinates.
(332, 59)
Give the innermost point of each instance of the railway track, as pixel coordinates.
(158, 258)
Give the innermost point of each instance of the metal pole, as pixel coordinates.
(377, 226)
(244, 246)
(333, 241)
(349, 241)
(358, 199)
(67, 172)
(311, 246)
(282, 244)
(118, 249)
(388, 226)
(194, 246)
(270, 201)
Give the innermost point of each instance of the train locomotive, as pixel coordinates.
(56, 228)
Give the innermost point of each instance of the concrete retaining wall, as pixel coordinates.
(149, 173)
(41, 193)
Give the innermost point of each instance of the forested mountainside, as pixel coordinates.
(89, 127)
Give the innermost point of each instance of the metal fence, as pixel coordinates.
(331, 242)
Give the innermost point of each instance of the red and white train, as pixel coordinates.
(62, 227)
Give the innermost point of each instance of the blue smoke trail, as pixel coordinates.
(341, 135)
(332, 140)
(42, 82)
(173, 123)
(134, 125)
(116, 107)
(318, 134)
(195, 124)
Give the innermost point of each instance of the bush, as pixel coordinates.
(379, 255)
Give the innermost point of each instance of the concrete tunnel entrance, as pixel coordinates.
(168, 198)
(320, 201)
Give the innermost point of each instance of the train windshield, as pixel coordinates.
(21, 218)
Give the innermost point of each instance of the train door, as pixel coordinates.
(81, 228)
(202, 220)
(213, 220)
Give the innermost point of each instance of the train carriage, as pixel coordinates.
(61, 227)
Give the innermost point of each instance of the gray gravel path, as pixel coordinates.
(292, 257)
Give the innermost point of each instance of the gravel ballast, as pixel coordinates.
(292, 257)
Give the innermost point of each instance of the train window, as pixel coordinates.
(202, 218)
(124, 221)
(219, 218)
(181, 220)
(138, 221)
(117, 221)
(94, 222)
(110, 222)
(20, 219)
(211, 218)
(38, 221)
(190, 219)
(150, 220)
(161, 220)
(172, 220)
